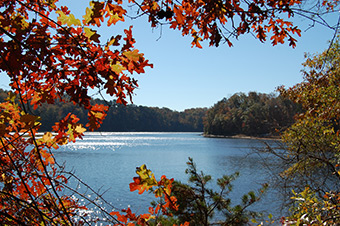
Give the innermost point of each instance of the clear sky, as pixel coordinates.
(185, 77)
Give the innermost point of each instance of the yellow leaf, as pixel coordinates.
(91, 34)
(98, 115)
(155, 6)
(80, 129)
(146, 176)
(69, 20)
(117, 68)
(88, 16)
(47, 137)
(62, 17)
(133, 55)
(73, 21)
(114, 19)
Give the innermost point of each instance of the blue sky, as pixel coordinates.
(185, 77)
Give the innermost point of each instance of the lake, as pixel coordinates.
(107, 162)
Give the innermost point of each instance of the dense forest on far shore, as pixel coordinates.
(130, 118)
(255, 114)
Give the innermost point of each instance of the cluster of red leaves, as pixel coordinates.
(50, 60)
(161, 189)
(208, 20)
(28, 193)
(47, 61)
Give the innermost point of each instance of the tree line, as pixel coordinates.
(121, 118)
(255, 114)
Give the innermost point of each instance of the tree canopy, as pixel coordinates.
(255, 114)
(312, 142)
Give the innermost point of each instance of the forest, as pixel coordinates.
(121, 118)
(255, 114)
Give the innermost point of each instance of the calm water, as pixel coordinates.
(107, 161)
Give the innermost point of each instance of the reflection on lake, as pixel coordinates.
(108, 161)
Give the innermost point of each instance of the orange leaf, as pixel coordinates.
(179, 16)
(120, 217)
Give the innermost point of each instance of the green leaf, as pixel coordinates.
(245, 199)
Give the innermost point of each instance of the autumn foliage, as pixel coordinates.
(207, 19)
(50, 55)
(161, 189)
(313, 141)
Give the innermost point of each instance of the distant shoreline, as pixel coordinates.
(241, 136)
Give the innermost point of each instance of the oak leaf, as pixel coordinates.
(91, 34)
(69, 20)
(80, 129)
(133, 55)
